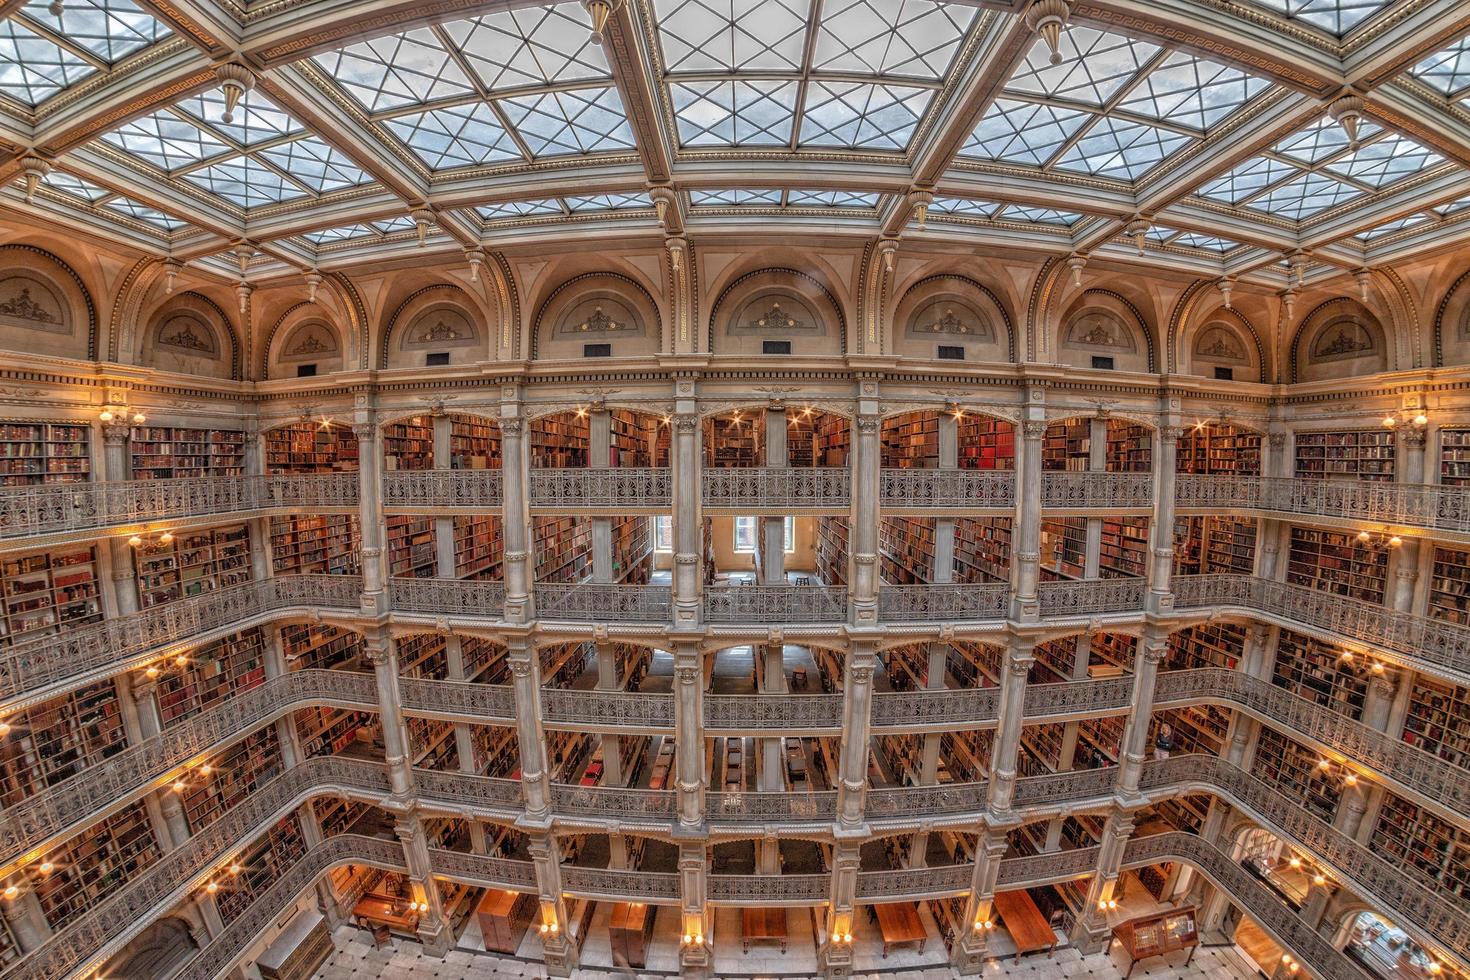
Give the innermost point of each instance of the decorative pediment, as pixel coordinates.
(1220, 344)
(438, 327)
(28, 303)
(183, 333)
(1342, 340)
(1099, 328)
(775, 318)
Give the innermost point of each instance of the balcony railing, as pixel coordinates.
(941, 603)
(622, 489)
(775, 604)
(790, 488)
(903, 489)
(766, 712)
(921, 709)
(449, 596)
(614, 804)
(470, 489)
(814, 806)
(590, 602)
(607, 709)
(1084, 597)
(1440, 508)
(1067, 490)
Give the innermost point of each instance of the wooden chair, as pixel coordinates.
(382, 936)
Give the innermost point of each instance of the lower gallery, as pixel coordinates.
(789, 488)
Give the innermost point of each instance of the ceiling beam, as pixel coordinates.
(174, 70)
(1388, 53)
(213, 29)
(633, 74)
(1405, 107)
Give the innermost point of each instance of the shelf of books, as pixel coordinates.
(831, 550)
(982, 549)
(484, 660)
(903, 757)
(336, 815)
(411, 549)
(910, 441)
(563, 548)
(985, 443)
(1449, 589)
(965, 755)
(632, 550)
(327, 544)
(1218, 447)
(309, 647)
(1292, 768)
(1367, 454)
(737, 439)
(1129, 447)
(165, 453)
(479, 548)
(1041, 749)
(1067, 445)
(638, 439)
(497, 753)
(1056, 660)
(975, 664)
(563, 663)
(1189, 535)
(33, 453)
(235, 773)
(1432, 850)
(560, 441)
(906, 550)
(1334, 561)
(817, 438)
(262, 864)
(431, 744)
(408, 444)
(1185, 813)
(1064, 547)
(9, 948)
(1111, 654)
(1124, 551)
(48, 593)
(1230, 546)
(1454, 457)
(567, 754)
(193, 563)
(330, 731)
(1196, 729)
(1208, 645)
(95, 865)
(1098, 742)
(423, 655)
(474, 443)
(310, 447)
(214, 673)
(1438, 720)
(1311, 669)
(58, 738)
(907, 667)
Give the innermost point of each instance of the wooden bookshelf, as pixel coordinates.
(193, 563)
(94, 865)
(982, 549)
(497, 753)
(1218, 447)
(1189, 541)
(563, 548)
(215, 673)
(1111, 654)
(910, 441)
(309, 647)
(638, 439)
(563, 663)
(336, 815)
(327, 544)
(1334, 561)
(411, 548)
(1124, 552)
(1311, 669)
(474, 444)
(484, 660)
(431, 744)
(632, 550)
(831, 550)
(735, 440)
(262, 864)
(1104, 737)
(235, 773)
(408, 444)
(1454, 457)
(965, 756)
(1064, 546)
(48, 592)
(1055, 660)
(1197, 729)
(330, 731)
(1044, 744)
(1129, 447)
(310, 447)
(1438, 720)
(1067, 445)
(165, 453)
(1185, 813)
(985, 443)
(34, 453)
(479, 548)
(1449, 589)
(1292, 768)
(906, 550)
(1230, 546)
(1206, 645)
(1432, 850)
(59, 738)
(976, 664)
(561, 441)
(1366, 454)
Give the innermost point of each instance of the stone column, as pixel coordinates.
(525, 668)
(24, 914)
(944, 527)
(370, 515)
(274, 661)
(124, 583)
(1152, 650)
(1091, 934)
(1026, 564)
(208, 912)
(599, 423)
(559, 950)
(688, 523)
(697, 921)
(519, 563)
(1097, 462)
(1020, 655)
(1166, 479)
(773, 529)
(142, 720)
(771, 774)
(834, 950)
(382, 653)
(967, 955)
(862, 593)
(857, 700)
(434, 929)
(691, 777)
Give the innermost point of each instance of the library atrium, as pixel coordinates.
(734, 489)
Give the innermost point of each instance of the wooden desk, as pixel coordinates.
(763, 925)
(385, 910)
(1029, 929)
(899, 922)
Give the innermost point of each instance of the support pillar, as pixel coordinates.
(771, 775)
(691, 778)
(525, 669)
(124, 591)
(464, 739)
(434, 930)
(383, 655)
(559, 948)
(1093, 928)
(1166, 480)
(1152, 650)
(967, 955)
(934, 677)
(697, 921)
(1026, 574)
(834, 949)
(514, 477)
(688, 524)
(1020, 655)
(857, 699)
(773, 529)
(370, 514)
(862, 593)
(24, 914)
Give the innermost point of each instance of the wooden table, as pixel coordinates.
(763, 925)
(386, 910)
(899, 922)
(1029, 929)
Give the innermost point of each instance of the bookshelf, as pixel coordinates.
(1218, 447)
(215, 672)
(1449, 588)
(1292, 768)
(497, 753)
(310, 647)
(976, 664)
(411, 549)
(1067, 445)
(1044, 744)
(1059, 657)
(484, 660)
(92, 866)
(479, 548)
(982, 549)
(906, 550)
(326, 544)
(735, 440)
(1438, 720)
(165, 453)
(431, 744)
(1366, 454)
(563, 663)
(193, 563)
(965, 756)
(408, 444)
(329, 731)
(1454, 456)
(58, 738)
(561, 441)
(1185, 813)
(423, 655)
(262, 864)
(1064, 546)
(1099, 740)
(1333, 561)
(1230, 546)
(632, 550)
(817, 439)
(1189, 535)
(34, 453)
(1129, 447)
(638, 439)
(1124, 551)
(831, 550)
(1110, 653)
(337, 815)
(563, 548)
(48, 593)
(238, 771)
(310, 447)
(474, 443)
(985, 443)
(910, 441)
(1207, 645)
(1430, 849)
(1310, 669)
(1196, 729)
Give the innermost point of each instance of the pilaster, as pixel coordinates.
(515, 498)
(834, 949)
(1093, 927)
(696, 941)
(1020, 655)
(1152, 649)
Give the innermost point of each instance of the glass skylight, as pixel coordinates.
(959, 205)
(1333, 16)
(1304, 196)
(108, 29)
(862, 116)
(1447, 70)
(33, 69)
(144, 213)
(609, 202)
(1121, 150)
(532, 46)
(1209, 243)
(735, 113)
(256, 118)
(166, 141)
(770, 198)
(244, 182)
(398, 70)
(831, 199)
(1024, 132)
(1040, 216)
(1094, 66)
(455, 137)
(75, 186)
(732, 35)
(1246, 179)
(315, 164)
(1389, 227)
(327, 236)
(519, 209)
(575, 121)
(1190, 91)
(1382, 162)
(890, 38)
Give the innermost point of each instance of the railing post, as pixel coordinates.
(1025, 605)
(697, 919)
(687, 520)
(434, 929)
(559, 950)
(1093, 930)
(1165, 459)
(1152, 649)
(514, 475)
(968, 953)
(1020, 655)
(857, 701)
(862, 594)
(689, 737)
(382, 653)
(525, 669)
(370, 515)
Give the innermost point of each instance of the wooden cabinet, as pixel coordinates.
(630, 929)
(504, 918)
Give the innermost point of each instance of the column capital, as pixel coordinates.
(116, 433)
(365, 432)
(686, 422)
(510, 425)
(1171, 433)
(1033, 428)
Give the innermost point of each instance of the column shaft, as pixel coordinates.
(1007, 745)
(518, 562)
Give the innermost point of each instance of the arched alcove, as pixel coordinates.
(953, 318)
(1103, 331)
(435, 327)
(1338, 339)
(44, 308)
(191, 335)
(777, 311)
(597, 314)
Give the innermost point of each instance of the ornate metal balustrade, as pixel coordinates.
(306, 492)
(953, 879)
(1431, 506)
(1065, 787)
(943, 603)
(619, 490)
(902, 489)
(1068, 490)
(449, 597)
(1077, 698)
(816, 806)
(482, 870)
(769, 488)
(590, 602)
(621, 886)
(416, 489)
(1220, 494)
(612, 803)
(1085, 597)
(973, 707)
(1048, 868)
(747, 604)
(772, 712)
(782, 889)
(484, 703)
(930, 801)
(608, 709)
(454, 790)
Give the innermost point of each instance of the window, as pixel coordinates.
(949, 352)
(439, 359)
(306, 370)
(746, 529)
(663, 534)
(1100, 363)
(1224, 374)
(597, 350)
(775, 347)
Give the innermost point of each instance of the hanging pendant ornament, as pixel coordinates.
(676, 253)
(244, 252)
(1363, 277)
(1348, 113)
(600, 11)
(1225, 286)
(57, 8)
(888, 248)
(919, 202)
(422, 219)
(1048, 18)
(1289, 299)
(171, 269)
(34, 168)
(476, 258)
(243, 291)
(1076, 261)
(1137, 229)
(234, 81)
(313, 283)
(1297, 263)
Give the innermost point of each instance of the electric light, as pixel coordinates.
(1435, 968)
(235, 868)
(1324, 764)
(212, 887)
(847, 937)
(206, 769)
(179, 786)
(135, 542)
(11, 892)
(1295, 861)
(151, 673)
(166, 537)
(1350, 779)
(139, 418)
(105, 415)
(1377, 667)
(46, 867)
(1286, 959)
(4, 728)
(181, 661)
(1319, 879)
(688, 939)
(699, 940)
(1294, 967)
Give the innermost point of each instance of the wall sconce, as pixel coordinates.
(139, 540)
(1406, 419)
(120, 413)
(46, 867)
(4, 728)
(1378, 540)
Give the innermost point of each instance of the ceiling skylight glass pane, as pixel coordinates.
(732, 35)
(1121, 150)
(609, 202)
(73, 185)
(110, 29)
(166, 141)
(1192, 92)
(957, 205)
(862, 116)
(1334, 16)
(142, 212)
(1389, 227)
(1209, 243)
(390, 225)
(32, 69)
(735, 198)
(398, 70)
(1023, 131)
(738, 113)
(1321, 140)
(1304, 197)
(1385, 161)
(908, 38)
(831, 199)
(1459, 204)
(1094, 65)
(457, 137)
(315, 164)
(327, 236)
(530, 46)
(244, 183)
(1448, 70)
(256, 118)
(1040, 216)
(579, 121)
(519, 209)
(1246, 179)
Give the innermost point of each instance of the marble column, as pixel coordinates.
(1152, 649)
(834, 948)
(688, 524)
(382, 653)
(24, 914)
(697, 920)
(1020, 655)
(1093, 927)
(518, 562)
(375, 600)
(691, 777)
(967, 955)
(857, 700)
(1026, 560)
(862, 593)
(434, 929)
(1166, 479)
(559, 948)
(124, 583)
(525, 669)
